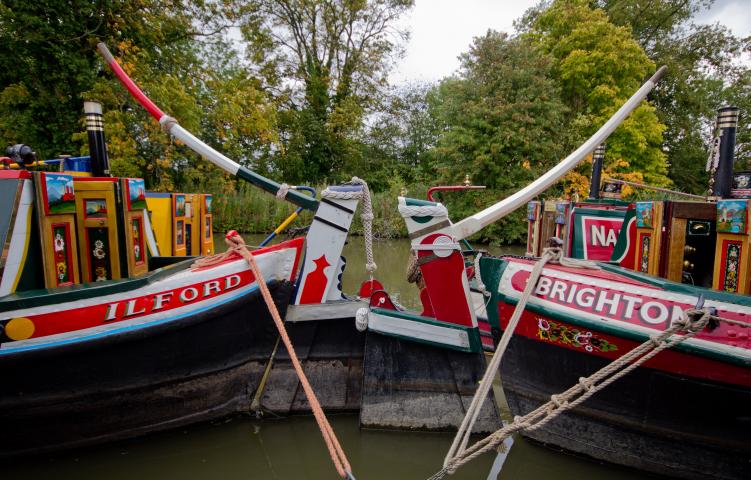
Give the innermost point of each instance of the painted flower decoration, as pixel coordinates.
(59, 243)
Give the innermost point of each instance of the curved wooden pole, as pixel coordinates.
(170, 125)
(478, 221)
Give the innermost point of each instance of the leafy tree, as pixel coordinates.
(194, 75)
(599, 65)
(502, 120)
(703, 74)
(397, 139)
(329, 61)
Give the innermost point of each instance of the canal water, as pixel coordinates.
(243, 447)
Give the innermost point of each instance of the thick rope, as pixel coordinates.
(366, 216)
(437, 210)
(693, 322)
(461, 439)
(237, 246)
(478, 277)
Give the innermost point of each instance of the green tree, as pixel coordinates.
(328, 60)
(50, 65)
(704, 73)
(397, 139)
(502, 120)
(599, 65)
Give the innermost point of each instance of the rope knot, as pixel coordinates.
(283, 191)
(554, 254)
(694, 320)
(558, 401)
(585, 383)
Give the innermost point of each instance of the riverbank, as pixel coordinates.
(249, 209)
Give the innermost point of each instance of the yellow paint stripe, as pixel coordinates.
(285, 223)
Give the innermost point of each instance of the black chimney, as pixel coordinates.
(594, 183)
(100, 163)
(727, 122)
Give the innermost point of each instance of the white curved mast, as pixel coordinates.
(478, 221)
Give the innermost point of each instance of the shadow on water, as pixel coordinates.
(292, 448)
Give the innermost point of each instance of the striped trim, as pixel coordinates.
(337, 205)
(429, 229)
(331, 224)
(114, 329)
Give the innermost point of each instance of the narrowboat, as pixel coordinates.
(683, 413)
(100, 337)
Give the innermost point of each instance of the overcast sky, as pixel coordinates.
(443, 29)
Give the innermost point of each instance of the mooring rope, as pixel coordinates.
(366, 216)
(692, 322)
(461, 439)
(237, 246)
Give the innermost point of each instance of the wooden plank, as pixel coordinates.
(407, 385)
(676, 243)
(695, 210)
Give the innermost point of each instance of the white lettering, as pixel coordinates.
(612, 237)
(232, 281)
(571, 292)
(189, 294)
(601, 237)
(543, 286)
(603, 299)
(631, 302)
(598, 235)
(559, 291)
(645, 313)
(585, 302)
(212, 286)
(130, 308)
(111, 312)
(161, 299)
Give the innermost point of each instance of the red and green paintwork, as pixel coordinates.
(622, 308)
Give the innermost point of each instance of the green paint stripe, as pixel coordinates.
(473, 334)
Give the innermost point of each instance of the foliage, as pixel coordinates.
(397, 140)
(330, 60)
(501, 122)
(704, 74)
(599, 66)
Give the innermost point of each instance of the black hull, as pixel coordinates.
(193, 369)
(650, 420)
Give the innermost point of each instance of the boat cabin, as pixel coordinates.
(70, 227)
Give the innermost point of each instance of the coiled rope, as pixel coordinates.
(237, 246)
(437, 210)
(366, 216)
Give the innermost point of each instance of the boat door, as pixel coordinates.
(689, 243)
(178, 225)
(96, 209)
(56, 217)
(134, 210)
(206, 224)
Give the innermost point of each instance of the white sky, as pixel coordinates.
(443, 29)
